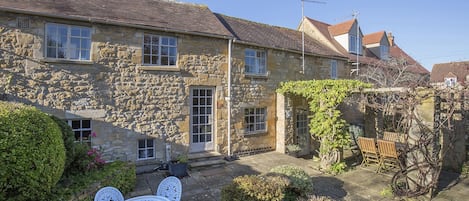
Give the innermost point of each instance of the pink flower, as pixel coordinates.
(93, 134)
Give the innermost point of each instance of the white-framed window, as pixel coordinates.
(67, 42)
(146, 149)
(302, 125)
(159, 50)
(354, 44)
(255, 62)
(450, 81)
(384, 50)
(255, 120)
(82, 129)
(334, 69)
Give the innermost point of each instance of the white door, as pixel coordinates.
(201, 123)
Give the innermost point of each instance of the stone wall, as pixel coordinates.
(257, 91)
(124, 102)
(127, 101)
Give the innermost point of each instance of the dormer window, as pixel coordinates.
(355, 45)
(450, 81)
(384, 50)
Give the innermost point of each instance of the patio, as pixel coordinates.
(357, 184)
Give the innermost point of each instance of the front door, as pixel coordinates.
(303, 136)
(201, 123)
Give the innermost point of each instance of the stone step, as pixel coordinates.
(204, 156)
(207, 164)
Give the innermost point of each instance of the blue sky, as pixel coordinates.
(429, 31)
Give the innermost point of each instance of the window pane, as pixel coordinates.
(150, 153)
(209, 137)
(141, 143)
(164, 41)
(150, 143)
(146, 39)
(85, 43)
(172, 61)
(195, 129)
(86, 32)
(155, 40)
(146, 49)
(172, 51)
(86, 135)
(195, 119)
(85, 55)
(61, 53)
(164, 51)
(195, 111)
(164, 60)
(202, 138)
(195, 138)
(154, 49)
(52, 52)
(195, 101)
(76, 124)
(172, 41)
(146, 59)
(75, 31)
(141, 154)
(73, 53)
(77, 135)
(86, 123)
(154, 60)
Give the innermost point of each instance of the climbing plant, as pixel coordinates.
(326, 124)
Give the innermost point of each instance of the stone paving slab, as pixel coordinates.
(355, 185)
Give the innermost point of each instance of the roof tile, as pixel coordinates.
(373, 38)
(458, 69)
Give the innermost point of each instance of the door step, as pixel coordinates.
(205, 160)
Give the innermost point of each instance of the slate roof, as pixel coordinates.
(459, 69)
(274, 37)
(156, 14)
(373, 38)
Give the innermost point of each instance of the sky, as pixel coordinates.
(430, 31)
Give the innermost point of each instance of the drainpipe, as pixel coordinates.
(228, 98)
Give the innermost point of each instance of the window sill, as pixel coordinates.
(254, 133)
(252, 75)
(65, 61)
(159, 68)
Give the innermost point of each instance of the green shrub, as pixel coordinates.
(256, 188)
(118, 174)
(301, 183)
(338, 168)
(32, 153)
(69, 142)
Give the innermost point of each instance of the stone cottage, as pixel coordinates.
(148, 80)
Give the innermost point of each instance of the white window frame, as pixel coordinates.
(159, 50)
(353, 44)
(334, 69)
(69, 50)
(255, 120)
(83, 131)
(302, 125)
(146, 149)
(450, 81)
(255, 62)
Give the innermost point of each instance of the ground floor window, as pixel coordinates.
(146, 149)
(82, 130)
(255, 120)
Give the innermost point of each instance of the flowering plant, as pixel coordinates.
(94, 159)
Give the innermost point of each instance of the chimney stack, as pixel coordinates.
(391, 39)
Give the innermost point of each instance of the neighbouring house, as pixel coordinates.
(453, 74)
(155, 79)
(370, 51)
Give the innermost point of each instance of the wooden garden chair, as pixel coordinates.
(389, 157)
(369, 151)
(391, 136)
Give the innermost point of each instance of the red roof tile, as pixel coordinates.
(396, 52)
(373, 38)
(341, 28)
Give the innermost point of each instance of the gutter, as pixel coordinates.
(110, 22)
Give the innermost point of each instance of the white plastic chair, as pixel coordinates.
(148, 198)
(170, 188)
(108, 193)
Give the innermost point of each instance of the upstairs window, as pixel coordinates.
(255, 62)
(159, 50)
(68, 42)
(334, 69)
(450, 81)
(384, 50)
(255, 120)
(82, 130)
(354, 44)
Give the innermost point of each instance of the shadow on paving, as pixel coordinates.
(329, 186)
